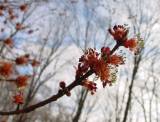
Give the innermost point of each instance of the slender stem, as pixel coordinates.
(114, 49)
(8, 80)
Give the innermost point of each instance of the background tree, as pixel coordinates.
(68, 25)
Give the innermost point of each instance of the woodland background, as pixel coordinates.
(63, 29)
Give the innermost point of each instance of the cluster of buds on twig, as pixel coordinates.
(64, 89)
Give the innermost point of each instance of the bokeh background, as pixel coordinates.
(63, 29)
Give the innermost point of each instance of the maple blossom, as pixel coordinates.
(104, 64)
(21, 81)
(119, 33)
(86, 62)
(105, 51)
(91, 86)
(101, 65)
(115, 60)
(18, 99)
(102, 70)
(134, 44)
(6, 69)
(22, 59)
(9, 42)
(131, 43)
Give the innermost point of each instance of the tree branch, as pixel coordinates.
(57, 96)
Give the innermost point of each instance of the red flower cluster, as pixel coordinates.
(119, 33)
(6, 69)
(9, 42)
(133, 44)
(86, 62)
(22, 60)
(100, 65)
(91, 86)
(21, 81)
(25, 59)
(104, 64)
(18, 99)
(115, 60)
(111, 59)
